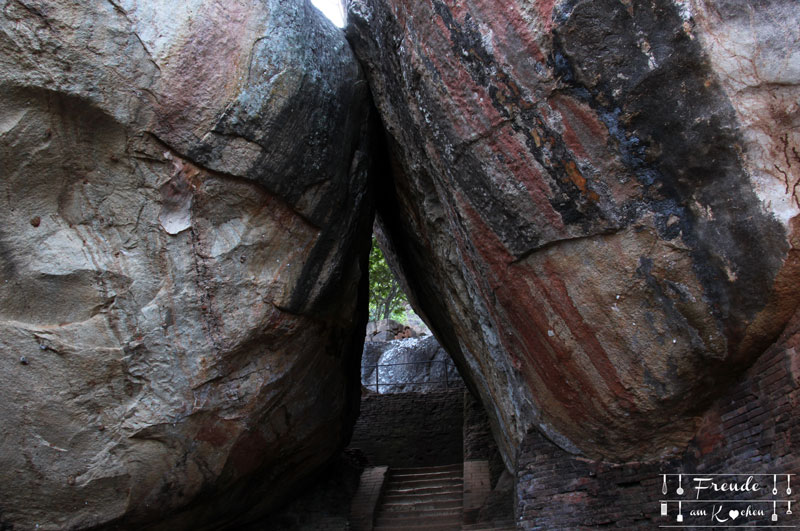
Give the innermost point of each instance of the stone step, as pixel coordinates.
(454, 513)
(422, 499)
(396, 496)
(488, 527)
(459, 467)
(419, 479)
(423, 504)
(407, 485)
(422, 520)
(413, 481)
(498, 525)
(455, 483)
(447, 474)
(435, 527)
(402, 488)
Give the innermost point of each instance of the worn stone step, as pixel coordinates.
(437, 527)
(413, 481)
(400, 490)
(427, 475)
(422, 513)
(445, 520)
(422, 499)
(497, 525)
(423, 481)
(429, 469)
(427, 485)
(423, 488)
(424, 504)
(489, 528)
(422, 493)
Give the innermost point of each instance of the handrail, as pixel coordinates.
(378, 383)
(408, 363)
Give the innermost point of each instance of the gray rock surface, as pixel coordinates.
(184, 219)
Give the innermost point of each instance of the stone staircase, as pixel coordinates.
(406, 437)
(427, 498)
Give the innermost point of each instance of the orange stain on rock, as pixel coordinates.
(579, 180)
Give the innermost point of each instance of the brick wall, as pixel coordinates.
(411, 429)
(479, 442)
(755, 428)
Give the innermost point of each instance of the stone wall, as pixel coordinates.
(411, 429)
(752, 429)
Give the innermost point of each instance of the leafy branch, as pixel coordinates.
(386, 298)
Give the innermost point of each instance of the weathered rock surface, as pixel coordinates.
(407, 365)
(594, 203)
(185, 219)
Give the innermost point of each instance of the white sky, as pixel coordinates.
(332, 9)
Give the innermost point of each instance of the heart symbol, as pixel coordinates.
(733, 513)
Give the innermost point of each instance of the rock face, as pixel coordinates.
(594, 204)
(185, 220)
(407, 365)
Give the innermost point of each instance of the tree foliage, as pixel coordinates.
(386, 298)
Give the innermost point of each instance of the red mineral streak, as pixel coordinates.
(558, 295)
(547, 361)
(505, 18)
(581, 126)
(472, 103)
(545, 8)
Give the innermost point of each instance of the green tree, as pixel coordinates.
(386, 298)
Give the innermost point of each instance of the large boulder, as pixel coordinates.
(407, 365)
(594, 204)
(184, 225)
